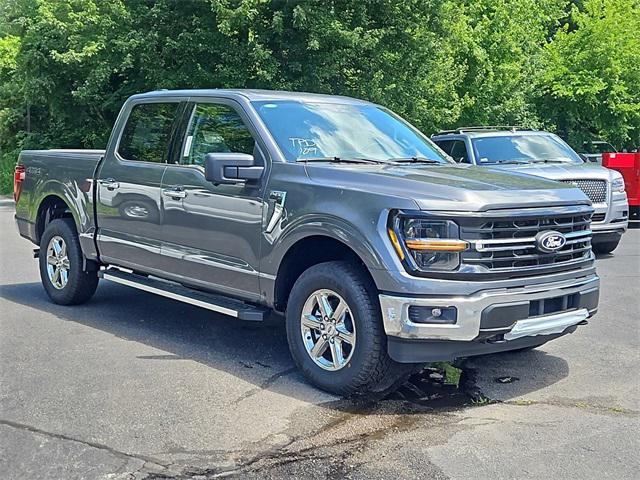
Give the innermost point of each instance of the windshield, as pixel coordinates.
(525, 148)
(306, 131)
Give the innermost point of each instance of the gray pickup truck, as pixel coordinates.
(546, 155)
(381, 252)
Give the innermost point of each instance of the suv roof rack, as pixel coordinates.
(483, 128)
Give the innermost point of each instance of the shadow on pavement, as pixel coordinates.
(258, 352)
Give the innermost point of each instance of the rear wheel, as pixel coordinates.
(605, 247)
(335, 332)
(65, 279)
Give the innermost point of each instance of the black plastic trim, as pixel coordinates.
(414, 351)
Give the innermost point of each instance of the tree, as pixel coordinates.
(589, 82)
(66, 66)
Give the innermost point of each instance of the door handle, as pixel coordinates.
(176, 192)
(109, 184)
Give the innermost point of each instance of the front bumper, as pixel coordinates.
(615, 218)
(507, 313)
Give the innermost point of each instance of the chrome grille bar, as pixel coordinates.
(508, 245)
(522, 243)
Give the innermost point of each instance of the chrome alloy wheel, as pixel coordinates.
(57, 262)
(328, 330)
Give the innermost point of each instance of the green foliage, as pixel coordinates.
(590, 79)
(66, 66)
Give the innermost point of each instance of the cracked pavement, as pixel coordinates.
(133, 386)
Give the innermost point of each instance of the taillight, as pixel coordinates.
(18, 178)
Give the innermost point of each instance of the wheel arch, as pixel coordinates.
(306, 252)
(52, 206)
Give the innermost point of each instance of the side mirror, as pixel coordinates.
(231, 168)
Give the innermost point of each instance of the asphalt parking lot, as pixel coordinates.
(131, 385)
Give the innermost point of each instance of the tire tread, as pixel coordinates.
(379, 373)
(82, 283)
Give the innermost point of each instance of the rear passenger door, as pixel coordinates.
(211, 233)
(128, 186)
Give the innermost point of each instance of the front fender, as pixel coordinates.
(327, 226)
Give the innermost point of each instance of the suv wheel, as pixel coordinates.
(61, 265)
(605, 247)
(335, 332)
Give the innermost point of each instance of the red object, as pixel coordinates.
(628, 164)
(18, 177)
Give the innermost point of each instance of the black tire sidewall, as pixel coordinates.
(80, 283)
(605, 247)
(370, 337)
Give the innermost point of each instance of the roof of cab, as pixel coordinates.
(255, 95)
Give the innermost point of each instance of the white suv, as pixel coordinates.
(546, 155)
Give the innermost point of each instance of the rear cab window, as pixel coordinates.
(147, 133)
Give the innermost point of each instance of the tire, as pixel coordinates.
(605, 247)
(78, 284)
(364, 367)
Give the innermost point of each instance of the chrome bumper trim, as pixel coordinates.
(610, 227)
(546, 325)
(395, 309)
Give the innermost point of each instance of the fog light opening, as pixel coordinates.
(433, 314)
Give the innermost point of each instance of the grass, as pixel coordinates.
(451, 373)
(6, 178)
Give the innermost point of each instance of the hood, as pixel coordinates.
(558, 171)
(449, 187)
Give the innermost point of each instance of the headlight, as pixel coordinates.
(426, 245)
(617, 185)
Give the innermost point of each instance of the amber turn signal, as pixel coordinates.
(437, 245)
(396, 243)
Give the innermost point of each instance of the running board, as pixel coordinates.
(217, 303)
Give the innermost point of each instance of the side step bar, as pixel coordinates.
(217, 303)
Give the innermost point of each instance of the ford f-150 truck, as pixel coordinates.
(546, 155)
(380, 251)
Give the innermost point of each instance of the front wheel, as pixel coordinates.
(335, 332)
(64, 275)
(605, 247)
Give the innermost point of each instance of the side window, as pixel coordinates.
(215, 128)
(445, 145)
(147, 133)
(459, 152)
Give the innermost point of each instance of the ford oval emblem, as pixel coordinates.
(550, 241)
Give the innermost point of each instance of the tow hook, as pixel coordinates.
(496, 339)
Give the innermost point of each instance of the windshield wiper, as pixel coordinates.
(547, 160)
(503, 162)
(429, 161)
(337, 160)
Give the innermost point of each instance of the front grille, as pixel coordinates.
(509, 245)
(596, 190)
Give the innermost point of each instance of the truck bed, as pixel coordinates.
(64, 173)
